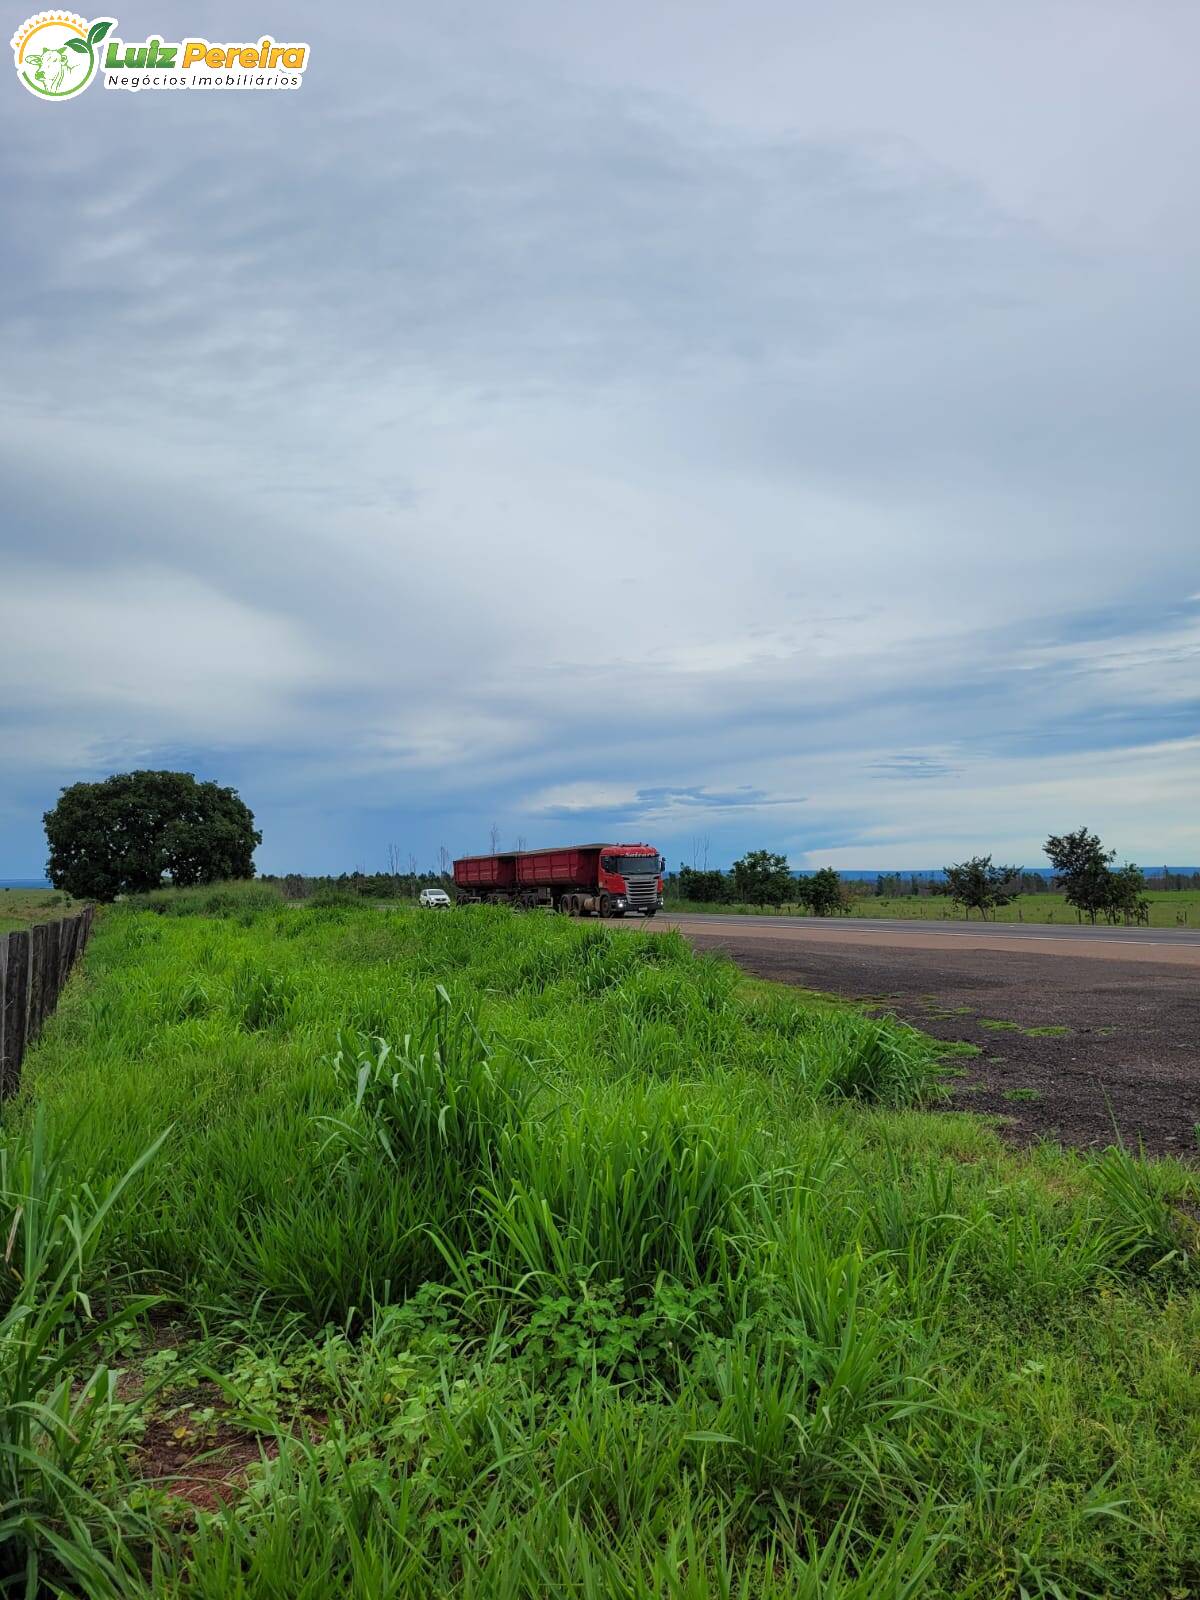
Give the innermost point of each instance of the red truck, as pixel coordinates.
(581, 880)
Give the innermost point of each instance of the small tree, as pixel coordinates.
(696, 883)
(978, 883)
(1127, 895)
(130, 832)
(1081, 865)
(822, 893)
(762, 878)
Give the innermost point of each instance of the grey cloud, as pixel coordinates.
(512, 431)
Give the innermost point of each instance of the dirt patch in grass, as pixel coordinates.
(202, 1460)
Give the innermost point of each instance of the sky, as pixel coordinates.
(725, 426)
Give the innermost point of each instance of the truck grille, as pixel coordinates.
(642, 892)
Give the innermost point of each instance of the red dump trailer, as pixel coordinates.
(581, 880)
(484, 877)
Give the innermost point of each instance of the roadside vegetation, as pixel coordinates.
(369, 1252)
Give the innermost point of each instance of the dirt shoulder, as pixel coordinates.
(1083, 1044)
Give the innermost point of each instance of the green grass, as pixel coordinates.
(21, 908)
(1168, 909)
(244, 897)
(1049, 1030)
(531, 1258)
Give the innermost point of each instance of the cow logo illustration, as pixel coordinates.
(56, 53)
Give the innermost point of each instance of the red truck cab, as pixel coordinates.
(631, 876)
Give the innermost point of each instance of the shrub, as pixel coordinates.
(864, 1058)
(441, 1099)
(627, 1191)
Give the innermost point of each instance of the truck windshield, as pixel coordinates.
(629, 866)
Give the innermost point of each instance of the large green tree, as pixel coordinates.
(136, 829)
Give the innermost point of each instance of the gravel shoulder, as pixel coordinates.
(1073, 1047)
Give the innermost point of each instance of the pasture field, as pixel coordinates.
(377, 1253)
(21, 908)
(1168, 909)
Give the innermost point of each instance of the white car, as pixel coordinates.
(434, 900)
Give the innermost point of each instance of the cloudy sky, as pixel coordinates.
(769, 424)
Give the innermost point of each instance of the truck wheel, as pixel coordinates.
(605, 906)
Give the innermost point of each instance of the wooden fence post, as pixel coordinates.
(41, 977)
(16, 1011)
(34, 965)
(4, 937)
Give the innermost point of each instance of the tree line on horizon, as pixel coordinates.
(1080, 868)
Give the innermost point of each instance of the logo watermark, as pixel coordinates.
(58, 55)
